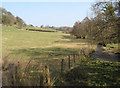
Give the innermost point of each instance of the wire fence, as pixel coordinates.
(43, 73)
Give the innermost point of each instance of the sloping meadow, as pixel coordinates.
(33, 50)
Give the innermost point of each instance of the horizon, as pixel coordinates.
(49, 13)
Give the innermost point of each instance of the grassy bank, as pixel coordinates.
(91, 72)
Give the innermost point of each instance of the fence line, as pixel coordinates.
(44, 76)
(71, 61)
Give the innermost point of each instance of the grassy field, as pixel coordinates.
(29, 44)
(43, 48)
(48, 48)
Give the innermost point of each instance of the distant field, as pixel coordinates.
(39, 28)
(33, 44)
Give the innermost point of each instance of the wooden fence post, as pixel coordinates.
(12, 74)
(17, 78)
(47, 76)
(62, 65)
(16, 75)
(74, 58)
(69, 61)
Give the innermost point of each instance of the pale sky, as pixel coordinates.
(49, 0)
(49, 13)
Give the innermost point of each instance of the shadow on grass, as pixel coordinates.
(44, 52)
(92, 73)
(72, 40)
(46, 56)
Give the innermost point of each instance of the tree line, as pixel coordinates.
(103, 27)
(9, 19)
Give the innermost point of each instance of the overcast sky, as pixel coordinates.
(49, 13)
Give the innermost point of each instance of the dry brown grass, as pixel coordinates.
(20, 73)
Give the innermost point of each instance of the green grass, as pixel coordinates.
(43, 48)
(92, 73)
(33, 44)
(49, 48)
(30, 27)
(114, 48)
